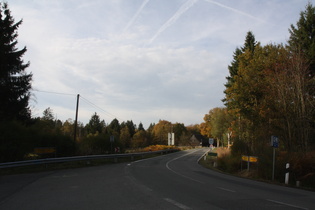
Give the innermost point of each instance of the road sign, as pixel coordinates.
(112, 139)
(252, 159)
(245, 158)
(274, 141)
(171, 139)
(211, 141)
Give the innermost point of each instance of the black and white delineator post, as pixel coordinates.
(171, 139)
(286, 179)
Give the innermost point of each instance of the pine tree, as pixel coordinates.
(140, 127)
(249, 44)
(302, 37)
(302, 43)
(15, 83)
(94, 126)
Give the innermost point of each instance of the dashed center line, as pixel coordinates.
(225, 189)
(287, 204)
(179, 205)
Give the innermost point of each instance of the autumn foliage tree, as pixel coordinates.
(270, 90)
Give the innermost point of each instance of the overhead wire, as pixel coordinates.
(85, 99)
(52, 92)
(101, 109)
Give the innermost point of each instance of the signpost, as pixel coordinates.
(249, 159)
(111, 139)
(211, 141)
(275, 144)
(171, 139)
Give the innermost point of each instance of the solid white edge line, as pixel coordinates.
(167, 166)
(287, 204)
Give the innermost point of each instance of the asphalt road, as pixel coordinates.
(173, 181)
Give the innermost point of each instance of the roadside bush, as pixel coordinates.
(302, 167)
(239, 148)
(157, 148)
(228, 162)
(98, 144)
(14, 141)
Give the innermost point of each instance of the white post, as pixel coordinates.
(287, 173)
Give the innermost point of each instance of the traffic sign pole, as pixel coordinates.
(274, 144)
(273, 163)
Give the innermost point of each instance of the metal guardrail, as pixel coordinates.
(79, 158)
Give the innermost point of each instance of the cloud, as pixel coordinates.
(132, 20)
(235, 10)
(78, 47)
(188, 4)
(129, 79)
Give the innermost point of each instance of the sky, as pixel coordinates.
(140, 60)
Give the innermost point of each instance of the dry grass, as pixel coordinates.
(222, 152)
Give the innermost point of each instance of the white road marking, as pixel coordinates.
(179, 205)
(287, 204)
(203, 155)
(65, 176)
(168, 167)
(221, 188)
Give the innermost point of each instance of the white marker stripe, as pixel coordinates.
(168, 167)
(221, 188)
(287, 204)
(179, 205)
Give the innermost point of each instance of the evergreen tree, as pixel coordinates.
(249, 45)
(131, 126)
(114, 128)
(48, 114)
(302, 43)
(140, 127)
(250, 42)
(302, 37)
(15, 83)
(94, 126)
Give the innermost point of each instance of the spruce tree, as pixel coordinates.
(15, 82)
(249, 44)
(302, 36)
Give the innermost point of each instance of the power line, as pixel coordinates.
(106, 112)
(86, 100)
(51, 92)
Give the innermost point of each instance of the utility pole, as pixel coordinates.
(76, 118)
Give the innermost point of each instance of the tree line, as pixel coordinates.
(19, 140)
(270, 91)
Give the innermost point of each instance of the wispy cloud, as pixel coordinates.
(132, 20)
(235, 10)
(109, 66)
(188, 4)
